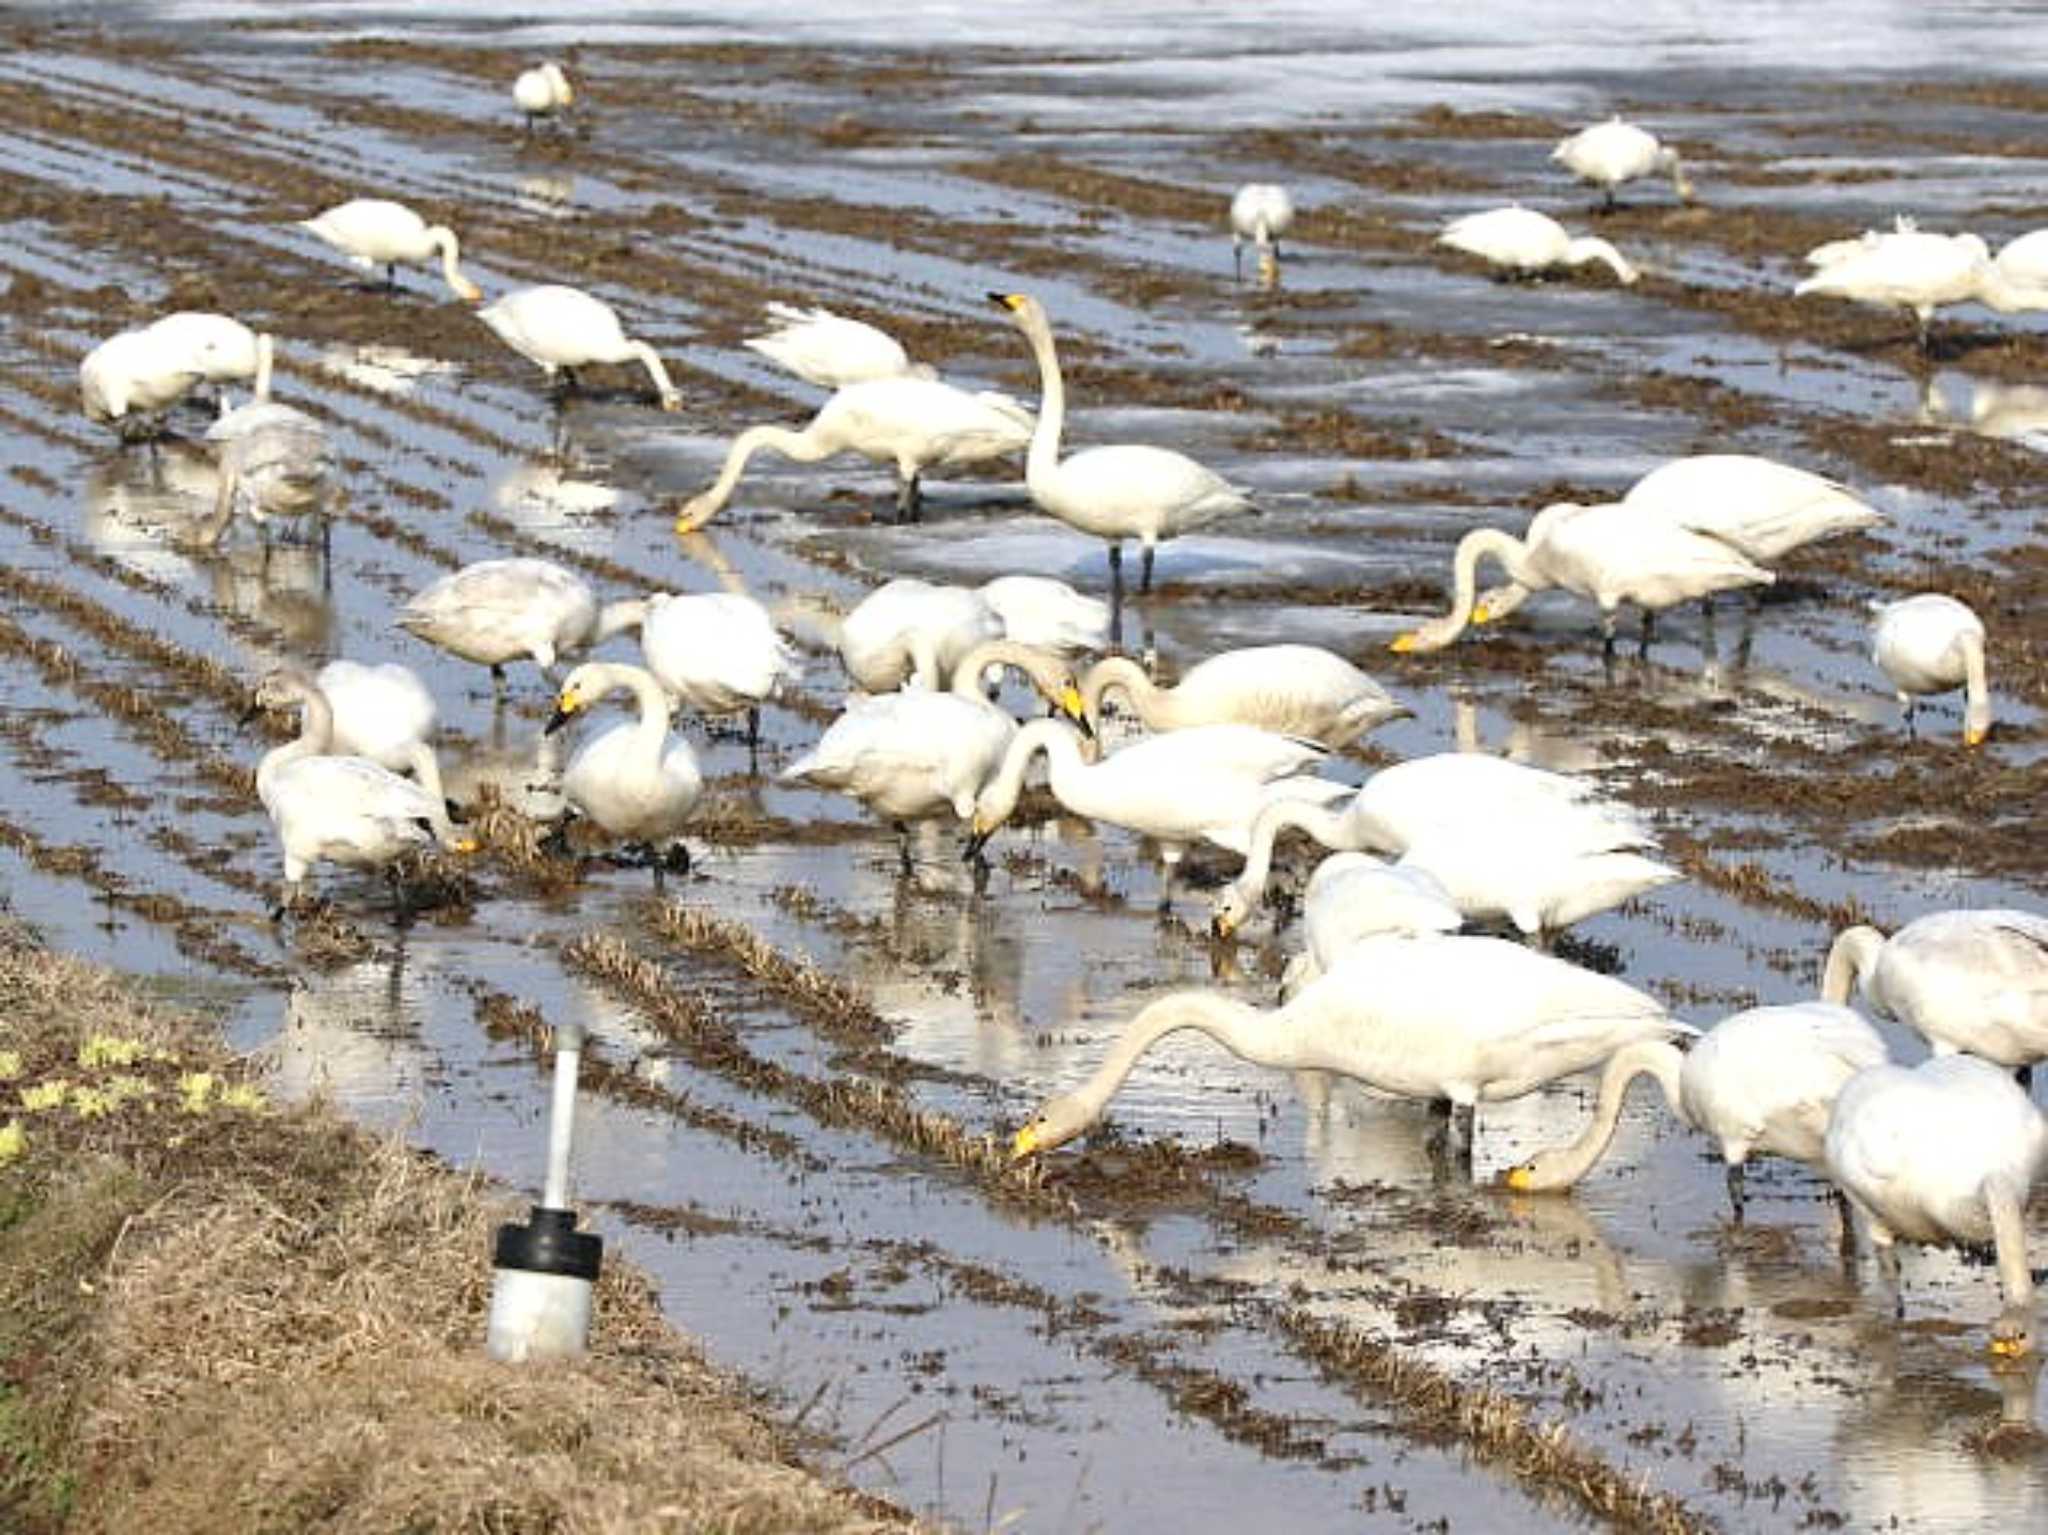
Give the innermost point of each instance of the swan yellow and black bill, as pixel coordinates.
(1518, 1178)
(1011, 301)
(1025, 1144)
(1071, 705)
(566, 707)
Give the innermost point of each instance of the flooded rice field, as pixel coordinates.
(806, 1063)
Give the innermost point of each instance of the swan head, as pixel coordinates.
(2012, 1335)
(1533, 1176)
(466, 290)
(1230, 912)
(695, 512)
(1058, 1122)
(578, 694)
(282, 687)
(1025, 309)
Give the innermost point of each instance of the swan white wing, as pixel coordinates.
(1767, 1078)
(348, 810)
(380, 711)
(829, 349)
(1353, 895)
(717, 651)
(908, 753)
(1140, 488)
(1517, 237)
(1765, 509)
(1042, 611)
(1612, 555)
(1911, 269)
(1302, 690)
(499, 609)
(1227, 750)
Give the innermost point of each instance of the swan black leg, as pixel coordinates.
(1735, 1190)
(1145, 576)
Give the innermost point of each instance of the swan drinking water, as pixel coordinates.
(1522, 242)
(1261, 212)
(1610, 153)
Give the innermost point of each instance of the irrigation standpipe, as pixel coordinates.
(546, 1270)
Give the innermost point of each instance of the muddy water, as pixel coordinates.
(1125, 1344)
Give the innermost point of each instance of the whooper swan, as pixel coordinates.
(501, 610)
(274, 460)
(1297, 690)
(1942, 1153)
(1206, 783)
(910, 423)
(917, 754)
(717, 653)
(1610, 153)
(1261, 212)
(384, 713)
(373, 232)
(543, 92)
(131, 379)
(1973, 981)
(563, 329)
(1126, 490)
(1351, 896)
(1411, 801)
(1610, 554)
(1471, 1020)
(831, 350)
(1763, 1080)
(635, 780)
(1934, 644)
(910, 630)
(345, 810)
(1522, 242)
(1920, 271)
(1042, 611)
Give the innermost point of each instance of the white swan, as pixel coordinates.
(500, 610)
(345, 810)
(1048, 613)
(274, 460)
(1609, 153)
(1353, 895)
(1973, 981)
(1760, 508)
(373, 232)
(1207, 783)
(1522, 242)
(635, 780)
(1611, 554)
(1471, 1020)
(1297, 690)
(384, 713)
(563, 329)
(2023, 260)
(1929, 644)
(1261, 212)
(1542, 875)
(130, 379)
(1917, 270)
(223, 349)
(1403, 804)
(1945, 1152)
(909, 630)
(921, 753)
(1127, 490)
(717, 653)
(910, 423)
(1763, 1080)
(543, 91)
(832, 351)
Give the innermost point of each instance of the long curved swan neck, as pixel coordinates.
(1044, 455)
(442, 238)
(1121, 672)
(614, 617)
(1000, 795)
(1669, 163)
(315, 737)
(1851, 958)
(1566, 1165)
(795, 445)
(1330, 827)
(651, 731)
(1237, 1026)
(651, 361)
(1976, 692)
(1047, 672)
(1592, 248)
(1479, 544)
(426, 772)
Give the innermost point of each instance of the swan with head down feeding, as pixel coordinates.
(562, 329)
(1520, 242)
(1610, 554)
(1260, 212)
(1919, 271)
(912, 631)
(1974, 981)
(1611, 153)
(374, 232)
(1468, 1020)
(1942, 1153)
(543, 94)
(1764, 1080)
(1930, 644)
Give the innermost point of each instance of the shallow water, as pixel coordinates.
(1121, 1363)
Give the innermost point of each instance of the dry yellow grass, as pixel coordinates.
(216, 1314)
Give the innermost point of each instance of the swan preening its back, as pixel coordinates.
(1468, 1020)
(1522, 242)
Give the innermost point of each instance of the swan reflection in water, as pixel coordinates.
(352, 1035)
(1990, 408)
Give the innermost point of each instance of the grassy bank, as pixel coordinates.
(219, 1314)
